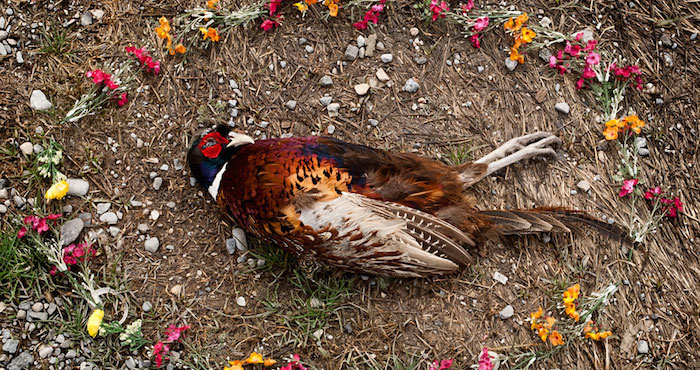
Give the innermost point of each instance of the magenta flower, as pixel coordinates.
(579, 36)
(591, 45)
(444, 365)
(268, 24)
(437, 10)
(468, 6)
(41, 226)
(481, 24)
(475, 40)
(173, 332)
(485, 360)
(588, 72)
(123, 99)
(579, 84)
(592, 58)
(54, 216)
(628, 187)
(21, 232)
(552, 61)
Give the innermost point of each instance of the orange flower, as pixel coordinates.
(543, 334)
(537, 314)
(269, 362)
(301, 6)
(509, 24)
(556, 339)
(235, 365)
(311, 2)
(598, 336)
(571, 294)
(515, 55)
(211, 4)
(522, 18)
(635, 123)
(254, 358)
(535, 326)
(333, 8)
(605, 334)
(528, 34)
(588, 326)
(571, 311)
(180, 49)
(550, 322)
(610, 133)
(211, 33)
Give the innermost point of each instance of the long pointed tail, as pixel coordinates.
(521, 222)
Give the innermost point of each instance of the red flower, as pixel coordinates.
(41, 226)
(579, 84)
(481, 24)
(123, 99)
(467, 7)
(485, 360)
(173, 332)
(30, 220)
(53, 270)
(159, 350)
(444, 365)
(591, 45)
(438, 9)
(588, 72)
(54, 216)
(628, 187)
(294, 365)
(269, 24)
(475, 40)
(21, 232)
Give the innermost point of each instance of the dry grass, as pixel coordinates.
(446, 317)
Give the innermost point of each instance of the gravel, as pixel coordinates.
(157, 183)
(38, 101)
(102, 207)
(361, 89)
(387, 58)
(421, 60)
(241, 301)
(309, 49)
(411, 86)
(151, 244)
(70, 230)
(371, 44)
(562, 107)
(325, 100)
(291, 105)
(500, 277)
(351, 52)
(413, 31)
(326, 81)
(333, 109)
(10, 346)
(360, 41)
(44, 351)
(27, 148)
(77, 187)
(241, 241)
(86, 19)
(382, 76)
(643, 347)
(506, 312)
(511, 64)
(109, 218)
(21, 362)
(643, 152)
(584, 185)
(146, 306)
(231, 245)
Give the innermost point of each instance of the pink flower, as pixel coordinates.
(377, 8)
(30, 220)
(485, 360)
(54, 216)
(575, 50)
(173, 332)
(561, 69)
(592, 58)
(111, 85)
(268, 24)
(468, 6)
(294, 365)
(69, 259)
(123, 99)
(53, 270)
(41, 226)
(628, 187)
(159, 350)
(588, 72)
(579, 36)
(438, 9)
(79, 251)
(273, 5)
(552, 61)
(591, 45)
(69, 249)
(481, 24)
(475, 40)
(560, 55)
(652, 193)
(579, 84)
(21, 232)
(444, 364)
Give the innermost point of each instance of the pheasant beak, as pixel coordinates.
(238, 139)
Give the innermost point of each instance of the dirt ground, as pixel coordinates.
(445, 317)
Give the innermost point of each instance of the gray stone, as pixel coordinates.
(331, 129)
(114, 231)
(371, 44)
(545, 22)
(3, 209)
(38, 307)
(109, 218)
(77, 187)
(411, 86)
(500, 277)
(42, 316)
(44, 351)
(171, 205)
(640, 142)
(693, 36)
(157, 183)
(38, 101)
(587, 35)
(333, 109)
(506, 312)
(291, 105)
(326, 81)
(152, 244)
(380, 46)
(387, 58)
(325, 100)
(643, 347)
(511, 64)
(241, 240)
(4, 194)
(360, 41)
(241, 301)
(10, 346)
(147, 306)
(583, 185)
(20, 57)
(70, 230)
(643, 152)
(21, 314)
(3, 35)
(659, 101)
(103, 207)
(21, 362)
(97, 14)
(413, 31)
(27, 148)
(71, 354)
(231, 245)
(143, 228)
(421, 60)
(562, 107)
(130, 363)
(309, 49)
(544, 54)
(51, 309)
(19, 201)
(666, 41)
(301, 41)
(382, 76)
(668, 59)
(38, 148)
(351, 52)
(361, 89)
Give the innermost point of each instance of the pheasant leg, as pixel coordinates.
(518, 149)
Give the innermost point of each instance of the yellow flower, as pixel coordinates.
(535, 326)
(509, 24)
(333, 8)
(598, 336)
(571, 294)
(301, 6)
(235, 365)
(94, 322)
(550, 322)
(163, 31)
(604, 334)
(612, 123)
(211, 33)
(269, 362)
(543, 334)
(571, 311)
(57, 190)
(254, 358)
(536, 315)
(610, 133)
(211, 4)
(556, 338)
(528, 34)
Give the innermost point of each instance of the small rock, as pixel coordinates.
(562, 107)
(231, 245)
(643, 152)
(233, 84)
(371, 45)
(361, 89)
(360, 41)
(309, 49)
(38, 307)
(38, 101)
(511, 64)
(583, 185)
(157, 183)
(10, 346)
(70, 230)
(387, 58)
(414, 31)
(3, 209)
(382, 76)
(301, 41)
(668, 59)
(411, 86)
(42, 316)
(421, 60)
(640, 142)
(241, 301)
(643, 347)
(331, 129)
(71, 354)
(21, 314)
(544, 54)
(176, 289)
(500, 277)
(326, 81)
(130, 363)
(659, 101)
(103, 207)
(86, 19)
(587, 36)
(146, 306)
(506, 313)
(291, 105)
(693, 36)
(666, 41)
(21, 362)
(77, 187)
(351, 52)
(333, 109)
(380, 46)
(109, 218)
(151, 244)
(20, 57)
(27, 148)
(45, 351)
(318, 334)
(97, 14)
(348, 328)
(480, 69)
(545, 22)
(325, 100)
(51, 309)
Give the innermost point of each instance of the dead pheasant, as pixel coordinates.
(367, 210)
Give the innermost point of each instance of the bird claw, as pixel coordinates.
(520, 148)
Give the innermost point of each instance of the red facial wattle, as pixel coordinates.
(210, 145)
